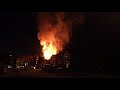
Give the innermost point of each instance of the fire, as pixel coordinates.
(55, 30)
(48, 50)
(54, 33)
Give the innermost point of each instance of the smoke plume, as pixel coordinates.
(54, 31)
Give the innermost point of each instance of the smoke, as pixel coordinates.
(55, 28)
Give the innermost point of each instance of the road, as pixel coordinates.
(37, 73)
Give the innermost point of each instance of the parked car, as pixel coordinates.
(59, 68)
(46, 67)
(49, 67)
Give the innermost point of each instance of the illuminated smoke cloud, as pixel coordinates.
(55, 31)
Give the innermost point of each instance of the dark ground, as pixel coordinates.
(37, 73)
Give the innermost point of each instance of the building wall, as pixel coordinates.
(54, 60)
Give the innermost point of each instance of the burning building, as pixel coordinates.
(54, 60)
(54, 33)
(24, 61)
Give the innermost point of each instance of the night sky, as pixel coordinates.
(96, 42)
(17, 32)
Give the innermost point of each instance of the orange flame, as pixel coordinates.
(48, 50)
(54, 33)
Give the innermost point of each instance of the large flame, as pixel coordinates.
(48, 50)
(54, 32)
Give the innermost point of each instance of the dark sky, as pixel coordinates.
(17, 32)
(97, 42)
(101, 29)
